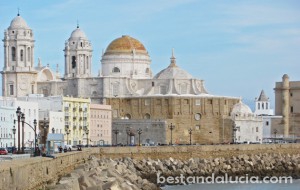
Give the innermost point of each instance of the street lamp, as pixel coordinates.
(275, 132)
(14, 132)
(45, 132)
(23, 120)
(171, 127)
(33, 128)
(68, 132)
(18, 112)
(116, 132)
(87, 136)
(190, 132)
(140, 131)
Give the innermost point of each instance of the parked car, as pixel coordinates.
(11, 149)
(3, 151)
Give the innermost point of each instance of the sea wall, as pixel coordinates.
(149, 174)
(36, 172)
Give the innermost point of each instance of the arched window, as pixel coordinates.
(21, 55)
(28, 54)
(262, 106)
(147, 116)
(258, 106)
(73, 62)
(116, 70)
(13, 53)
(127, 116)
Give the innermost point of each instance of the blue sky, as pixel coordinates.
(237, 47)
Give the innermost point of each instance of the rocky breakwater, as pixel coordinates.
(104, 174)
(260, 165)
(131, 174)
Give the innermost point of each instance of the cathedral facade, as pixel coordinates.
(125, 82)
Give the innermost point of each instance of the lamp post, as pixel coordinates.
(45, 132)
(116, 132)
(171, 127)
(68, 132)
(87, 136)
(190, 132)
(14, 132)
(18, 112)
(140, 131)
(23, 120)
(275, 132)
(33, 128)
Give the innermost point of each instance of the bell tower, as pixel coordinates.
(18, 75)
(78, 55)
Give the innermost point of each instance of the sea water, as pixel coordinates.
(295, 185)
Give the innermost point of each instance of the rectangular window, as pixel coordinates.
(186, 101)
(11, 89)
(210, 101)
(32, 89)
(147, 102)
(152, 83)
(197, 102)
(292, 109)
(257, 129)
(267, 123)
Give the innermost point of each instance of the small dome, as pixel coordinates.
(241, 108)
(78, 33)
(18, 22)
(173, 71)
(126, 44)
(285, 76)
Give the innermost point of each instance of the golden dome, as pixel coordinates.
(125, 44)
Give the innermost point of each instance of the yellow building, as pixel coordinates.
(77, 117)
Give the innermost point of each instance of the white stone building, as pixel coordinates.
(248, 128)
(7, 112)
(9, 119)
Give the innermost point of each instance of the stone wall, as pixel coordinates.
(36, 172)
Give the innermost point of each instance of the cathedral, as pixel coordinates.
(125, 82)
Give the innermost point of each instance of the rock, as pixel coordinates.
(69, 182)
(86, 181)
